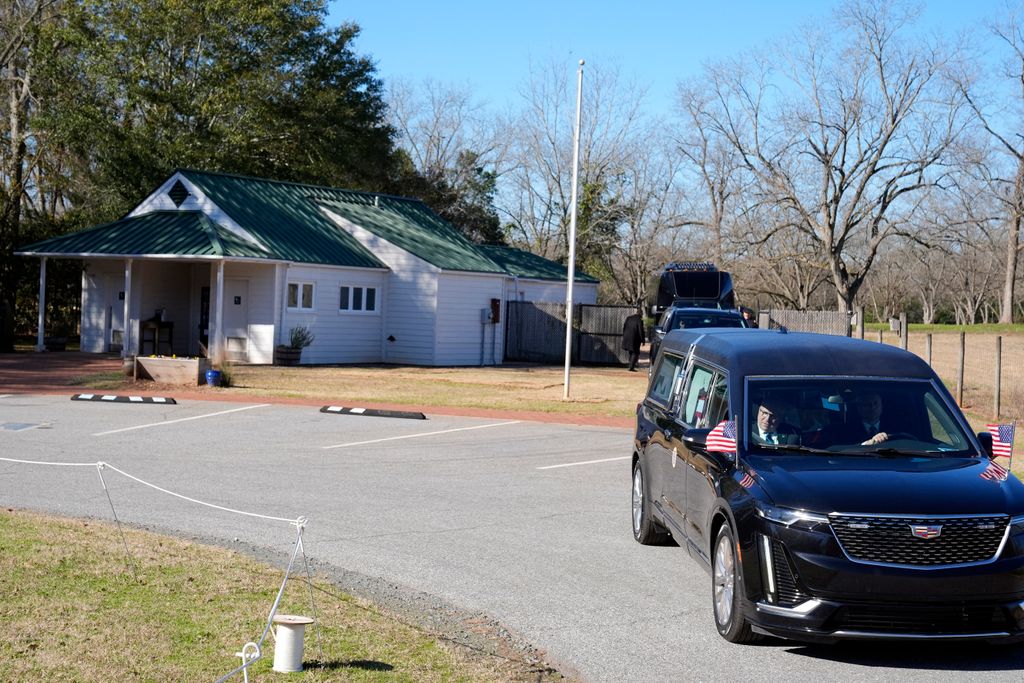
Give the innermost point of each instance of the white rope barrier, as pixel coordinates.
(55, 464)
(251, 652)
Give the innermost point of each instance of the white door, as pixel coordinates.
(236, 318)
(113, 334)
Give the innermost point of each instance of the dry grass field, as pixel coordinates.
(593, 391)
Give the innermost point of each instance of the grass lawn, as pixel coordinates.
(73, 611)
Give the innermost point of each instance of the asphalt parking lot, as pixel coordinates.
(524, 521)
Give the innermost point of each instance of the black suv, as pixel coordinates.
(679, 318)
(831, 487)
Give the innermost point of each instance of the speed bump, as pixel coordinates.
(112, 398)
(373, 412)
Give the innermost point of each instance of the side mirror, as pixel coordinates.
(986, 442)
(696, 438)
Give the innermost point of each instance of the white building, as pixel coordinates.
(226, 266)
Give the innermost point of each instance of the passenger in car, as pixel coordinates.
(769, 426)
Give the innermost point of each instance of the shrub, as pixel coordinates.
(301, 337)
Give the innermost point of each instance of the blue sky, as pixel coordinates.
(489, 45)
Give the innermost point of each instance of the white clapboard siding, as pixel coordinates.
(462, 337)
(410, 298)
(261, 306)
(340, 336)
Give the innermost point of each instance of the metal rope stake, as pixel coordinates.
(300, 524)
(131, 561)
(312, 605)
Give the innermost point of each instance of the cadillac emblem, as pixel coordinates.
(927, 531)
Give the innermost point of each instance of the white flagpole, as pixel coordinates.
(572, 230)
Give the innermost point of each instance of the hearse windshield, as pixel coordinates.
(887, 417)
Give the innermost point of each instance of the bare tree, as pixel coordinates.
(20, 24)
(1003, 126)
(535, 194)
(848, 140)
(648, 234)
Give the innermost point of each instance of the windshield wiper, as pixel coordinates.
(792, 447)
(901, 451)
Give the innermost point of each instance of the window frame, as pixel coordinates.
(680, 373)
(300, 284)
(364, 289)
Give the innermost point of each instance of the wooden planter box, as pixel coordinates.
(172, 370)
(286, 355)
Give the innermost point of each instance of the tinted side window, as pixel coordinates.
(695, 404)
(664, 380)
(718, 403)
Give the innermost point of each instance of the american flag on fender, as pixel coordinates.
(722, 438)
(1002, 439)
(994, 473)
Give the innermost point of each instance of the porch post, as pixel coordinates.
(40, 332)
(218, 343)
(126, 335)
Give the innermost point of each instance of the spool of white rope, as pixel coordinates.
(288, 642)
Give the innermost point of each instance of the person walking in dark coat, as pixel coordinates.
(633, 338)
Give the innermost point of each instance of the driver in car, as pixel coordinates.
(867, 426)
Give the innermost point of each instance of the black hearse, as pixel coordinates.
(811, 526)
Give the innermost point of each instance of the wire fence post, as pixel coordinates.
(960, 375)
(999, 376)
(928, 347)
(904, 331)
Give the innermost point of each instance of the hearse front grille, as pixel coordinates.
(926, 620)
(920, 541)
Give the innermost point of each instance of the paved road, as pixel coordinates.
(459, 508)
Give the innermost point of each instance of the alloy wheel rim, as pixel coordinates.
(725, 577)
(638, 499)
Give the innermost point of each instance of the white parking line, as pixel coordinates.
(586, 462)
(184, 419)
(414, 436)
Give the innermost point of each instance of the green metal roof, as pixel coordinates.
(288, 222)
(284, 219)
(410, 225)
(522, 263)
(162, 233)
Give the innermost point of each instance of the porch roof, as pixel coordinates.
(161, 233)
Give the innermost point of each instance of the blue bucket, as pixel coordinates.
(213, 378)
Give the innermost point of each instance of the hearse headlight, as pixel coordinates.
(790, 517)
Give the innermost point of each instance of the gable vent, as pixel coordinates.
(178, 193)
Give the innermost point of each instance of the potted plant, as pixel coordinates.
(290, 353)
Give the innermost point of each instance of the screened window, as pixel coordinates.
(300, 295)
(357, 299)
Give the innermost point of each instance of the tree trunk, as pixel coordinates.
(1012, 248)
